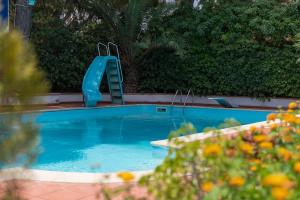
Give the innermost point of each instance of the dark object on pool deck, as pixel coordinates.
(223, 102)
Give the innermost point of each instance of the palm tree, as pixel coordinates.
(124, 21)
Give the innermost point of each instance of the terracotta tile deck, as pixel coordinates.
(36, 190)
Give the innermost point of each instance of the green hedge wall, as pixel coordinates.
(229, 47)
(242, 48)
(64, 50)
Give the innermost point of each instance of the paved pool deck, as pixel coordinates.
(38, 190)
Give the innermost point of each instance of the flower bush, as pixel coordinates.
(260, 163)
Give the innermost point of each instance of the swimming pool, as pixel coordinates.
(111, 139)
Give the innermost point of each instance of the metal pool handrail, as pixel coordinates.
(187, 96)
(174, 97)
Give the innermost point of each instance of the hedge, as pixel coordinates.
(238, 48)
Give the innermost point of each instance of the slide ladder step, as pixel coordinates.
(115, 83)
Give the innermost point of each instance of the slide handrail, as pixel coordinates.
(118, 56)
(103, 45)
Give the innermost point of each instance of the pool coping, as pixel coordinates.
(64, 177)
(86, 177)
(137, 104)
(204, 135)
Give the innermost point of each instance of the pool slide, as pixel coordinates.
(93, 77)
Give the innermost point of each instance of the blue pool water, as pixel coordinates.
(118, 138)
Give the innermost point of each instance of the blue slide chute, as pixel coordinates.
(93, 77)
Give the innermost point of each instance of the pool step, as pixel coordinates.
(114, 82)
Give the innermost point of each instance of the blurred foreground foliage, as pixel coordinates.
(20, 80)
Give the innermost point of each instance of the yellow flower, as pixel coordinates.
(266, 145)
(297, 167)
(207, 186)
(271, 117)
(246, 148)
(284, 153)
(292, 105)
(212, 150)
(260, 138)
(279, 193)
(236, 181)
(126, 176)
(275, 180)
(298, 131)
(297, 121)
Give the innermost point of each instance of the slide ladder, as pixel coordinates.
(93, 77)
(115, 77)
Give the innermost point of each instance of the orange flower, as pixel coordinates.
(296, 155)
(260, 138)
(253, 168)
(230, 152)
(284, 153)
(236, 181)
(212, 150)
(126, 176)
(292, 105)
(220, 182)
(266, 145)
(253, 129)
(256, 161)
(287, 138)
(297, 167)
(273, 126)
(276, 180)
(207, 186)
(271, 117)
(279, 193)
(290, 118)
(286, 130)
(246, 148)
(298, 147)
